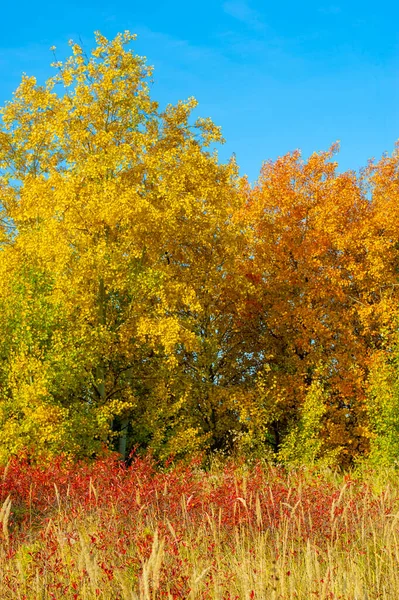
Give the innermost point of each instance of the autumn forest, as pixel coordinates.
(152, 299)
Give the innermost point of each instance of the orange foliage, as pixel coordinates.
(321, 267)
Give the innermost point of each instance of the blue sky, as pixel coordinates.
(276, 76)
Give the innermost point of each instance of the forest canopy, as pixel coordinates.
(152, 298)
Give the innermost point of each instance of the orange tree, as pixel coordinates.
(306, 277)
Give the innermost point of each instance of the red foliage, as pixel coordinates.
(173, 499)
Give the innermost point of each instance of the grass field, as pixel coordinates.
(105, 531)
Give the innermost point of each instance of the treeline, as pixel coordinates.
(151, 298)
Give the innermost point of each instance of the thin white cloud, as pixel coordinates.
(240, 10)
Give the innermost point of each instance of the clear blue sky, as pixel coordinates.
(275, 75)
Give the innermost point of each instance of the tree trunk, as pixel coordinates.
(123, 438)
(100, 370)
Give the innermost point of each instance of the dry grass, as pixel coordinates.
(187, 534)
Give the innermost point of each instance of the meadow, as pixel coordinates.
(103, 530)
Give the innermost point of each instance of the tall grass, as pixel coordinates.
(104, 531)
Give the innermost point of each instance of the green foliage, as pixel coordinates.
(383, 410)
(304, 444)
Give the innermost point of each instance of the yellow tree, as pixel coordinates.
(114, 203)
(379, 306)
(381, 239)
